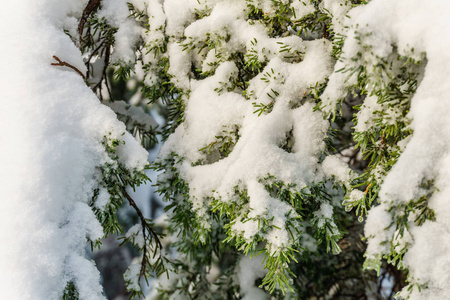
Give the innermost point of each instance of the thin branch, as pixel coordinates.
(141, 216)
(90, 7)
(88, 62)
(145, 226)
(65, 64)
(108, 88)
(104, 75)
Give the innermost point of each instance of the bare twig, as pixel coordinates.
(65, 64)
(90, 7)
(107, 87)
(88, 62)
(104, 75)
(145, 226)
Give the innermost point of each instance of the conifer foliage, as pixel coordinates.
(251, 149)
(289, 125)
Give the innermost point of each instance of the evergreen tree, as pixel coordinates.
(281, 117)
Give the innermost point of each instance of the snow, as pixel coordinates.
(338, 9)
(116, 12)
(416, 29)
(377, 221)
(302, 8)
(132, 277)
(325, 215)
(213, 108)
(135, 233)
(51, 129)
(249, 270)
(365, 115)
(176, 17)
(180, 66)
(133, 116)
(334, 167)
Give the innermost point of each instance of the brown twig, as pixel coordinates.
(90, 7)
(145, 226)
(107, 87)
(325, 33)
(65, 64)
(367, 188)
(104, 75)
(88, 62)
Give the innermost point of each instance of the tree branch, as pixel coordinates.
(65, 64)
(90, 7)
(104, 75)
(145, 226)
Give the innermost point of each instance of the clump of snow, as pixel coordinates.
(355, 195)
(135, 233)
(302, 8)
(180, 66)
(249, 270)
(375, 229)
(131, 276)
(177, 18)
(334, 167)
(102, 198)
(365, 115)
(325, 212)
(51, 131)
(117, 14)
(337, 9)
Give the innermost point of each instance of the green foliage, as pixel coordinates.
(138, 15)
(123, 70)
(205, 232)
(413, 213)
(392, 81)
(387, 85)
(99, 32)
(221, 147)
(201, 247)
(199, 227)
(115, 180)
(70, 292)
(140, 129)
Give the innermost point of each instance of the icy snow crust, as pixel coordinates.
(422, 26)
(51, 128)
